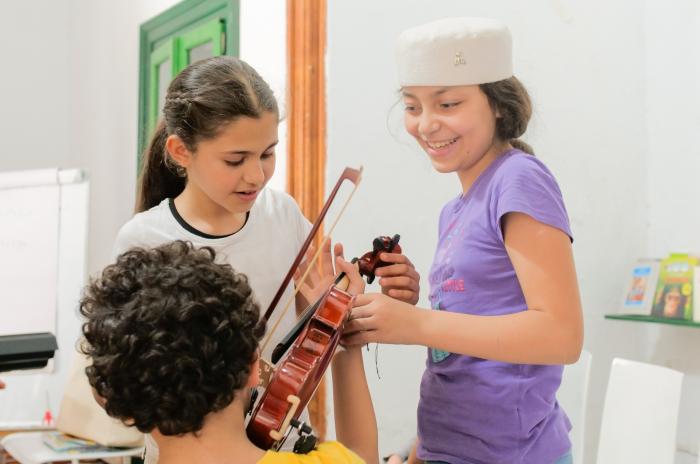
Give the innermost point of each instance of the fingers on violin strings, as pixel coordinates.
(361, 300)
(344, 266)
(352, 326)
(356, 284)
(363, 314)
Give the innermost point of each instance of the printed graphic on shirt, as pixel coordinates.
(442, 277)
(438, 355)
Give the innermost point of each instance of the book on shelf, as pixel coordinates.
(640, 286)
(677, 288)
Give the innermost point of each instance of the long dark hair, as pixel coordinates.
(201, 99)
(510, 99)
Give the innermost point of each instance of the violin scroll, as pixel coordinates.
(369, 262)
(305, 354)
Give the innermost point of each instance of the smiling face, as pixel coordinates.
(455, 125)
(230, 170)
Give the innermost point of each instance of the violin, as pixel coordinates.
(299, 362)
(313, 341)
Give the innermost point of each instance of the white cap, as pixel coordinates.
(455, 51)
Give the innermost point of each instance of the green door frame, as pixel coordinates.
(159, 41)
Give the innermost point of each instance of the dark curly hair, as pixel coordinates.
(171, 335)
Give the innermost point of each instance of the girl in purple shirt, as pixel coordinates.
(506, 311)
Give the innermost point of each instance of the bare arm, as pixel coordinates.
(550, 331)
(355, 422)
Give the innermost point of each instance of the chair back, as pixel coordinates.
(640, 414)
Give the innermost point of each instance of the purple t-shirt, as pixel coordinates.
(472, 410)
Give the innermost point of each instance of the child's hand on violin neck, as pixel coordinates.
(399, 279)
(378, 318)
(356, 284)
(321, 275)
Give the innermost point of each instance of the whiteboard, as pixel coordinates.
(43, 246)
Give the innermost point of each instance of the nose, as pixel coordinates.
(253, 173)
(428, 124)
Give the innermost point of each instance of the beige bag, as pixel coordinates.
(81, 416)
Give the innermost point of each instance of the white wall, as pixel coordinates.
(34, 79)
(673, 121)
(103, 56)
(587, 68)
(264, 46)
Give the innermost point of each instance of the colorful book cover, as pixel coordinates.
(674, 291)
(696, 293)
(60, 442)
(639, 290)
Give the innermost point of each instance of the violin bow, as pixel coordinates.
(354, 176)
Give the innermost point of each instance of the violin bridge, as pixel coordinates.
(266, 372)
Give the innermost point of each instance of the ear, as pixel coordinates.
(254, 375)
(177, 151)
(100, 400)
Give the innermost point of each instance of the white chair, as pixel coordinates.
(572, 397)
(29, 448)
(640, 414)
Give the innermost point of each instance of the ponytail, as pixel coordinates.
(510, 99)
(522, 146)
(158, 179)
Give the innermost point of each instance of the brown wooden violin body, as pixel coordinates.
(294, 380)
(299, 373)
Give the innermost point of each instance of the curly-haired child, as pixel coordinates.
(173, 339)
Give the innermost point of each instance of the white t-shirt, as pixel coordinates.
(263, 249)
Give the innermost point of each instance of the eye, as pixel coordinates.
(268, 154)
(233, 163)
(448, 105)
(409, 108)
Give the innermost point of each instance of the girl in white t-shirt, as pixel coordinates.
(203, 180)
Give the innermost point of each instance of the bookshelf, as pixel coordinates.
(656, 320)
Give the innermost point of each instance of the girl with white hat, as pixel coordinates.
(506, 307)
